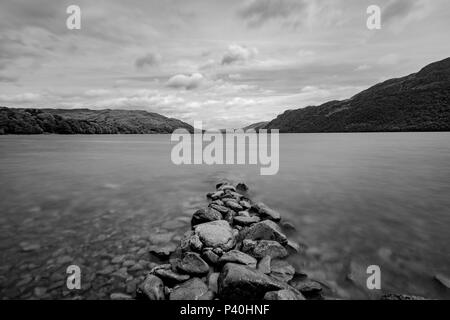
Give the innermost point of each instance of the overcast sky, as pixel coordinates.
(227, 63)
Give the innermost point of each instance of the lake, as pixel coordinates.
(355, 199)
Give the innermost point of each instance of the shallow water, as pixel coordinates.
(356, 200)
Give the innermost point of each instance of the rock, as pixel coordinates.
(222, 209)
(29, 246)
(192, 289)
(309, 288)
(241, 187)
(266, 230)
(107, 270)
(229, 216)
(210, 257)
(120, 296)
(243, 214)
(170, 276)
(239, 282)
(121, 274)
(267, 213)
(152, 288)
(292, 247)
(443, 280)
(225, 187)
(235, 256)
(157, 238)
(39, 292)
(392, 296)
(138, 266)
(232, 204)
(281, 270)
(263, 248)
(217, 195)
(209, 295)
(64, 260)
(218, 202)
(191, 242)
(286, 294)
(163, 250)
(246, 221)
(288, 226)
(118, 259)
(128, 263)
(245, 204)
(212, 282)
(264, 265)
(216, 234)
(192, 263)
(205, 215)
(221, 184)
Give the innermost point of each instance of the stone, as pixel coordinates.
(205, 215)
(193, 264)
(292, 247)
(222, 209)
(245, 204)
(225, 187)
(107, 270)
(221, 184)
(210, 257)
(192, 289)
(212, 282)
(267, 213)
(232, 204)
(239, 282)
(118, 259)
(40, 292)
(246, 221)
(209, 295)
(236, 256)
(443, 280)
(170, 276)
(229, 216)
(121, 274)
(191, 242)
(281, 270)
(29, 246)
(288, 226)
(309, 288)
(264, 265)
(262, 248)
(217, 195)
(241, 187)
(286, 294)
(163, 250)
(120, 296)
(128, 263)
(216, 234)
(152, 288)
(391, 296)
(157, 238)
(266, 230)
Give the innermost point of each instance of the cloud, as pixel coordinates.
(7, 79)
(238, 54)
(259, 12)
(149, 59)
(187, 82)
(389, 59)
(399, 13)
(20, 98)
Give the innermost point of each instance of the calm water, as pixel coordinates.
(356, 200)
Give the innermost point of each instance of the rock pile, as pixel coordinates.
(235, 250)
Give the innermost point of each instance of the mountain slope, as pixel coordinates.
(418, 102)
(85, 121)
(256, 126)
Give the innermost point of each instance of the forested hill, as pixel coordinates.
(85, 121)
(418, 102)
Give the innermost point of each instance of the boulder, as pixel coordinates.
(245, 204)
(234, 205)
(264, 265)
(266, 230)
(210, 257)
(192, 289)
(267, 213)
(212, 282)
(286, 294)
(193, 264)
(171, 277)
(205, 215)
(190, 242)
(236, 256)
(263, 248)
(225, 187)
(245, 221)
(152, 288)
(241, 187)
(281, 270)
(239, 282)
(216, 234)
(222, 209)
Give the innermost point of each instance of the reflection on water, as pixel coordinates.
(98, 201)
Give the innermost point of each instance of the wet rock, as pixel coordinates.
(232, 204)
(191, 242)
(239, 282)
(293, 247)
(192, 289)
(216, 234)
(157, 238)
(392, 296)
(246, 221)
(264, 265)
(120, 296)
(443, 280)
(170, 276)
(281, 270)
(218, 202)
(29, 246)
(241, 187)
(288, 226)
(286, 294)
(212, 282)
(263, 248)
(266, 230)
(152, 288)
(267, 213)
(220, 184)
(118, 259)
(235, 256)
(163, 250)
(225, 187)
(107, 270)
(205, 215)
(209, 295)
(192, 263)
(222, 209)
(309, 288)
(210, 257)
(217, 195)
(245, 204)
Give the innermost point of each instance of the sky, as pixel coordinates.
(227, 63)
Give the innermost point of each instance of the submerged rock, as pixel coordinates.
(216, 234)
(163, 250)
(152, 288)
(236, 256)
(192, 289)
(238, 282)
